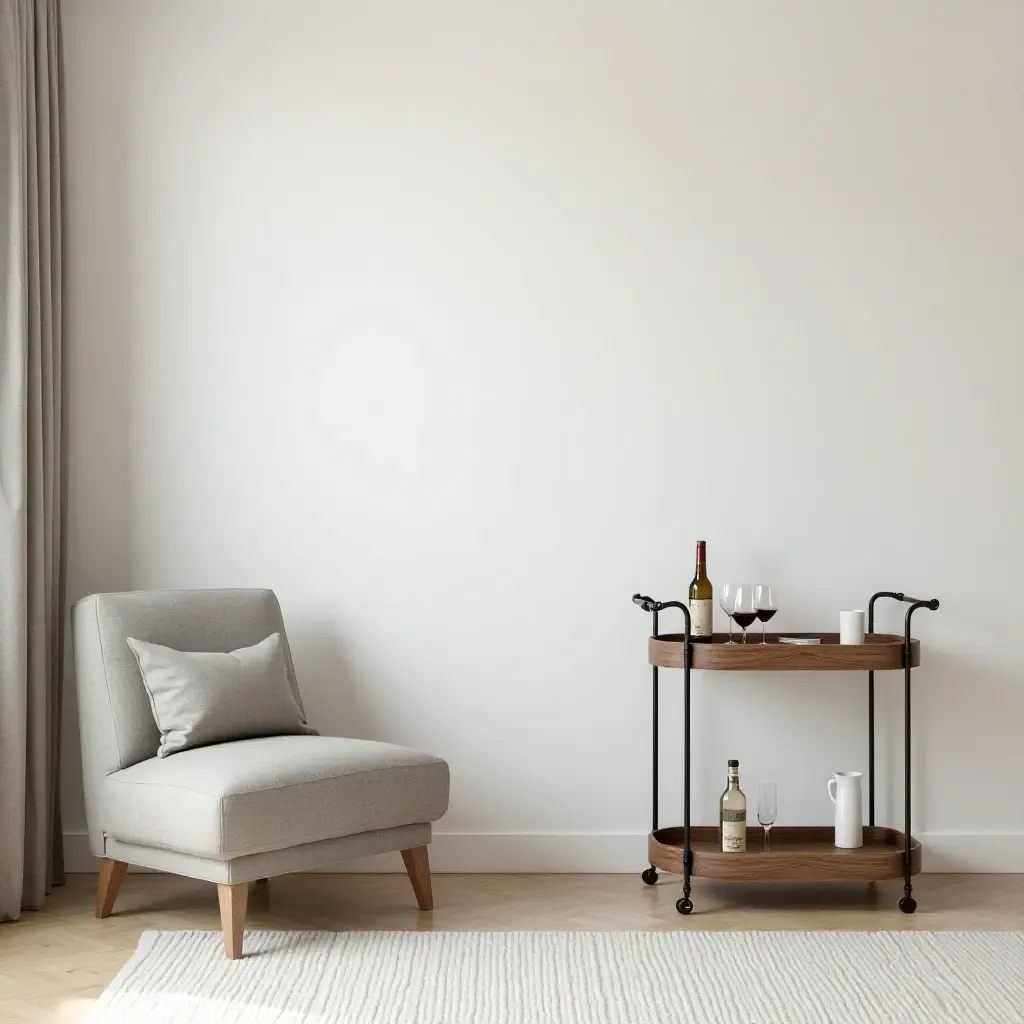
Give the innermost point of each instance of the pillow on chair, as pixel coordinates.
(200, 698)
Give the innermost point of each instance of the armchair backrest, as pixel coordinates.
(117, 725)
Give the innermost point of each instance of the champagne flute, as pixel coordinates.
(725, 599)
(767, 809)
(764, 606)
(743, 607)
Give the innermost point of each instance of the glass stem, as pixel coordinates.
(767, 832)
(763, 624)
(729, 617)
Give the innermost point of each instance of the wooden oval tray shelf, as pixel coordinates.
(796, 855)
(880, 652)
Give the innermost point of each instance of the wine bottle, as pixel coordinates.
(702, 604)
(732, 811)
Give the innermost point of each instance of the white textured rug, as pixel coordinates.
(572, 978)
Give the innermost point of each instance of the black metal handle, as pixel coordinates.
(897, 595)
(915, 603)
(648, 604)
(908, 905)
(933, 604)
(675, 604)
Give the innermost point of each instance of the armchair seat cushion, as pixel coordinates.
(258, 795)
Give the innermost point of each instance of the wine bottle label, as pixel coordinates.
(734, 836)
(700, 617)
(728, 815)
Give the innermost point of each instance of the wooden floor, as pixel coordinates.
(54, 962)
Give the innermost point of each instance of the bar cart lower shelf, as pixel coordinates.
(797, 854)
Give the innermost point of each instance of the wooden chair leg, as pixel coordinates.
(111, 877)
(232, 899)
(417, 866)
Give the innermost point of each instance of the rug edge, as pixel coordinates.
(146, 942)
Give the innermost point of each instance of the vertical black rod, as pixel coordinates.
(907, 663)
(907, 904)
(907, 888)
(906, 770)
(871, 725)
(654, 768)
(686, 760)
(650, 605)
(871, 749)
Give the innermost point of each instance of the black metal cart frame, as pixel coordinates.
(907, 903)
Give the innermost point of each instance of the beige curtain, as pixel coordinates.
(31, 452)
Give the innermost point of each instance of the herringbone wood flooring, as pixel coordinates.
(54, 962)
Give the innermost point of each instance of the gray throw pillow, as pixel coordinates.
(200, 698)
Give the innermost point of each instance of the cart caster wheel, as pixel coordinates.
(684, 906)
(908, 904)
(650, 876)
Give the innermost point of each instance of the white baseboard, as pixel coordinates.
(972, 852)
(616, 853)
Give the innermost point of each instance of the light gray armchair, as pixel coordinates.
(236, 812)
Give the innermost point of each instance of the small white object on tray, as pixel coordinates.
(800, 640)
(851, 627)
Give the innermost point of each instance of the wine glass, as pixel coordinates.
(764, 606)
(743, 607)
(767, 809)
(725, 599)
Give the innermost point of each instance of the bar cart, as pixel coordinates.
(798, 854)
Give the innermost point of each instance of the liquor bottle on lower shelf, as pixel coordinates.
(702, 599)
(732, 810)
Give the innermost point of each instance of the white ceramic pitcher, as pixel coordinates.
(849, 809)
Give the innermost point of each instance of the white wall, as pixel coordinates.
(457, 324)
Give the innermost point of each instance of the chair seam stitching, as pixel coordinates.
(106, 682)
(272, 789)
(260, 851)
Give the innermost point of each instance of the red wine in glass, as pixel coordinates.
(744, 610)
(764, 606)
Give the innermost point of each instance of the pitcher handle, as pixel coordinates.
(831, 794)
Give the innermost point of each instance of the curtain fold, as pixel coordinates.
(32, 452)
